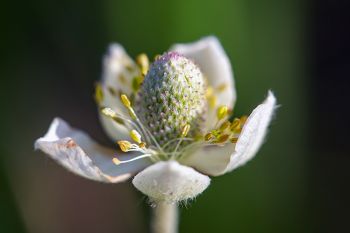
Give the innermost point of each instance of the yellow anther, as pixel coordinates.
(135, 136)
(243, 119)
(98, 93)
(108, 112)
(234, 140)
(142, 145)
(222, 138)
(236, 124)
(143, 62)
(222, 112)
(116, 161)
(215, 132)
(185, 130)
(124, 145)
(222, 87)
(125, 101)
(225, 125)
(208, 136)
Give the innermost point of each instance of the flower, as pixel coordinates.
(171, 121)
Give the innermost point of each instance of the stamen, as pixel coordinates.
(243, 119)
(135, 136)
(236, 125)
(110, 113)
(168, 143)
(117, 161)
(222, 112)
(222, 138)
(224, 125)
(143, 62)
(233, 140)
(208, 136)
(142, 145)
(185, 130)
(125, 146)
(125, 100)
(184, 133)
(132, 113)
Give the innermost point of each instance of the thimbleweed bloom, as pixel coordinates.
(172, 120)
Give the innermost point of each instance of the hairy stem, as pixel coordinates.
(165, 218)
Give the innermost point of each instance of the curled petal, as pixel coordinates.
(77, 152)
(214, 63)
(217, 160)
(171, 182)
(253, 133)
(118, 72)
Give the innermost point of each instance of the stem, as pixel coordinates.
(165, 218)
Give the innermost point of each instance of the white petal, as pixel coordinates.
(217, 160)
(119, 69)
(171, 182)
(210, 160)
(214, 63)
(77, 152)
(253, 133)
(114, 130)
(118, 72)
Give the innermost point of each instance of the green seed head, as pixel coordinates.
(171, 97)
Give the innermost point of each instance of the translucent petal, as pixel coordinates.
(77, 152)
(118, 72)
(171, 182)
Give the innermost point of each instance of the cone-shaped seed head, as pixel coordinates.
(172, 95)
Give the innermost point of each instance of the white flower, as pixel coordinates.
(162, 175)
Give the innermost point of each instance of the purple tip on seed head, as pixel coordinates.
(170, 56)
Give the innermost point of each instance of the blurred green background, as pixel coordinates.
(53, 52)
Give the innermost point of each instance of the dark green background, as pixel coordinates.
(53, 52)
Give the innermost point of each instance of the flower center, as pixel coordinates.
(167, 118)
(172, 100)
